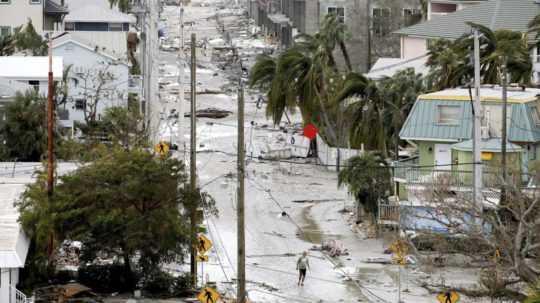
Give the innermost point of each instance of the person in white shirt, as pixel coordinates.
(302, 265)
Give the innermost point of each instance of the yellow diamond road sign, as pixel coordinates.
(202, 258)
(161, 148)
(448, 297)
(208, 295)
(203, 244)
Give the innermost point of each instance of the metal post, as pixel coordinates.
(193, 158)
(181, 99)
(241, 270)
(477, 165)
(50, 125)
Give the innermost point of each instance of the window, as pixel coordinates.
(5, 1)
(448, 114)
(411, 16)
(535, 115)
(63, 114)
(35, 1)
(115, 27)
(339, 12)
(34, 84)
(69, 26)
(380, 21)
(80, 104)
(5, 31)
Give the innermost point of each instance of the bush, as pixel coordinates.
(163, 284)
(106, 278)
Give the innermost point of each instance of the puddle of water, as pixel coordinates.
(311, 231)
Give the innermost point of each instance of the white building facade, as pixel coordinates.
(84, 84)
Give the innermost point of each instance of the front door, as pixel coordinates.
(443, 156)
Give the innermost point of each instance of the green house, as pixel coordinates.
(440, 126)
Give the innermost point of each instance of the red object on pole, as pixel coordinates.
(310, 131)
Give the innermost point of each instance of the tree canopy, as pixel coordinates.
(122, 205)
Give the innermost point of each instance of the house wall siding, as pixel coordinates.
(17, 13)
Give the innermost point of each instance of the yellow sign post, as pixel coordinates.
(448, 297)
(208, 295)
(203, 244)
(161, 148)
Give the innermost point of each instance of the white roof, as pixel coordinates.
(76, 39)
(13, 243)
(30, 68)
(387, 67)
(13, 180)
(487, 93)
(95, 11)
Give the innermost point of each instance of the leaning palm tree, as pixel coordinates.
(335, 34)
(500, 47)
(367, 178)
(7, 45)
(399, 93)
(448, 63)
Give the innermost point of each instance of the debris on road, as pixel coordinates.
(213, 113)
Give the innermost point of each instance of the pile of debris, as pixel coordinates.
(68, 293)
(334, 248)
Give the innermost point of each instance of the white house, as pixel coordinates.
(448, 20)
(46, 15)
(33, 71)
(13, 243)
(96, 21)
(86, 61)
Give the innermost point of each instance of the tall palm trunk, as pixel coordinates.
(345, 53)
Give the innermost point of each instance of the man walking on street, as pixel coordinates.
(302, 265)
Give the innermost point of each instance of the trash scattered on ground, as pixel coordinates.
(213, 113)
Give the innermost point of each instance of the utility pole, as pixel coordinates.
(50, 125)
(193, 159)
(477, 111)
(368, 20)
(504, 78)
(181, 99)
(241, 270)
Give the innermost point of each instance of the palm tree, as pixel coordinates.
(449, 63)
(399, 93)
(367, 178)
(500, 46)
(335, 33)
(7, 45)
(123, 5)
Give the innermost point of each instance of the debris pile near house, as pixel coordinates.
(334, 248)
(213, 113)
(68, 256)
(68, 293)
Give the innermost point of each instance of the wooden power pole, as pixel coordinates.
(193, 160)
(50, 125)
(241, 270)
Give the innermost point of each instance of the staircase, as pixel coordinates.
(18, 297)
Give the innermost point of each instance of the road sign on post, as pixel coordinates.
(448, 297)
(203, 244)
(161, 148)
(208, 295)
(202, 258)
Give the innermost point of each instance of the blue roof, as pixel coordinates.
(422, 124)
(489, 145)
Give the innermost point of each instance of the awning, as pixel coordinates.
(488, 145)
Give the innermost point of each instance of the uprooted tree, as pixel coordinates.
(505, 238)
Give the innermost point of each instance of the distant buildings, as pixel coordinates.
(46, 15)
(369, 23)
